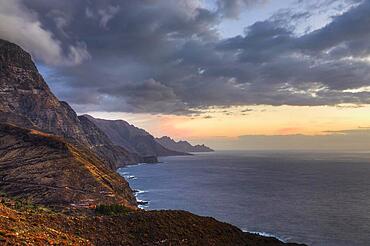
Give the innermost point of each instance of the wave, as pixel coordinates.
(265, 234)
(129, 177)
(142, 203)
(135, 165)
(143, 207)
(140, 191)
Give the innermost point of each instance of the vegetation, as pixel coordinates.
(112, 209)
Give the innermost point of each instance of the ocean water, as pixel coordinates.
(322, 199)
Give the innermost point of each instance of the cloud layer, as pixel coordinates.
(347, 140)
(167, 56)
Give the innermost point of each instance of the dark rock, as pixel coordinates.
(150, 159)
(142, 202)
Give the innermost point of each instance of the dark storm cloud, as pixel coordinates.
(162, 56)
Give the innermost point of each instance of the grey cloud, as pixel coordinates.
(107, 14)
(147, 95)
(22, 26)
(167, 56)
(232, 8)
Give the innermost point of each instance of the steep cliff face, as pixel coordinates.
(184, 146)
(26, 100)
(104, 147)
(48, 170)
(130, 137)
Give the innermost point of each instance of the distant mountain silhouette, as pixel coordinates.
(182, 146)
(132, 138)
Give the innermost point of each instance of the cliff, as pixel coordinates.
(182, 146)
(26, 101)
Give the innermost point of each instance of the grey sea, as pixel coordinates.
(321, 199)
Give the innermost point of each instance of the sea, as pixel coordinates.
(317, 198)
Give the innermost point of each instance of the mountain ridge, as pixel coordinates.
(133, 138)
(181, 145)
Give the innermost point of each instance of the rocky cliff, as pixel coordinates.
(182, 146)
(132, 138)
(26, 100)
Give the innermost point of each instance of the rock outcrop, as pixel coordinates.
(182, 146)
(26, 101)
(133, 138)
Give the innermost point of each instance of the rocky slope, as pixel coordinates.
(182, 146)
(25, 224)
(132, 138)
(51, 171)
(26, 100)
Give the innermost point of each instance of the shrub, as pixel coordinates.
(112, 209)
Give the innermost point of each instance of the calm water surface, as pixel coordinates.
(315, 198)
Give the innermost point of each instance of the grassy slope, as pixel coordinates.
(22, 223)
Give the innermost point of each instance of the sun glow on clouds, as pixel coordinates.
(255, 120)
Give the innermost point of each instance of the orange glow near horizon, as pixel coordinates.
(255, 120)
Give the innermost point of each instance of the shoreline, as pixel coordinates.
(265, 234)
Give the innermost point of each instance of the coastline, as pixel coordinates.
(145, 204)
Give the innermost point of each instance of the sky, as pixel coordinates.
(234, 74)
